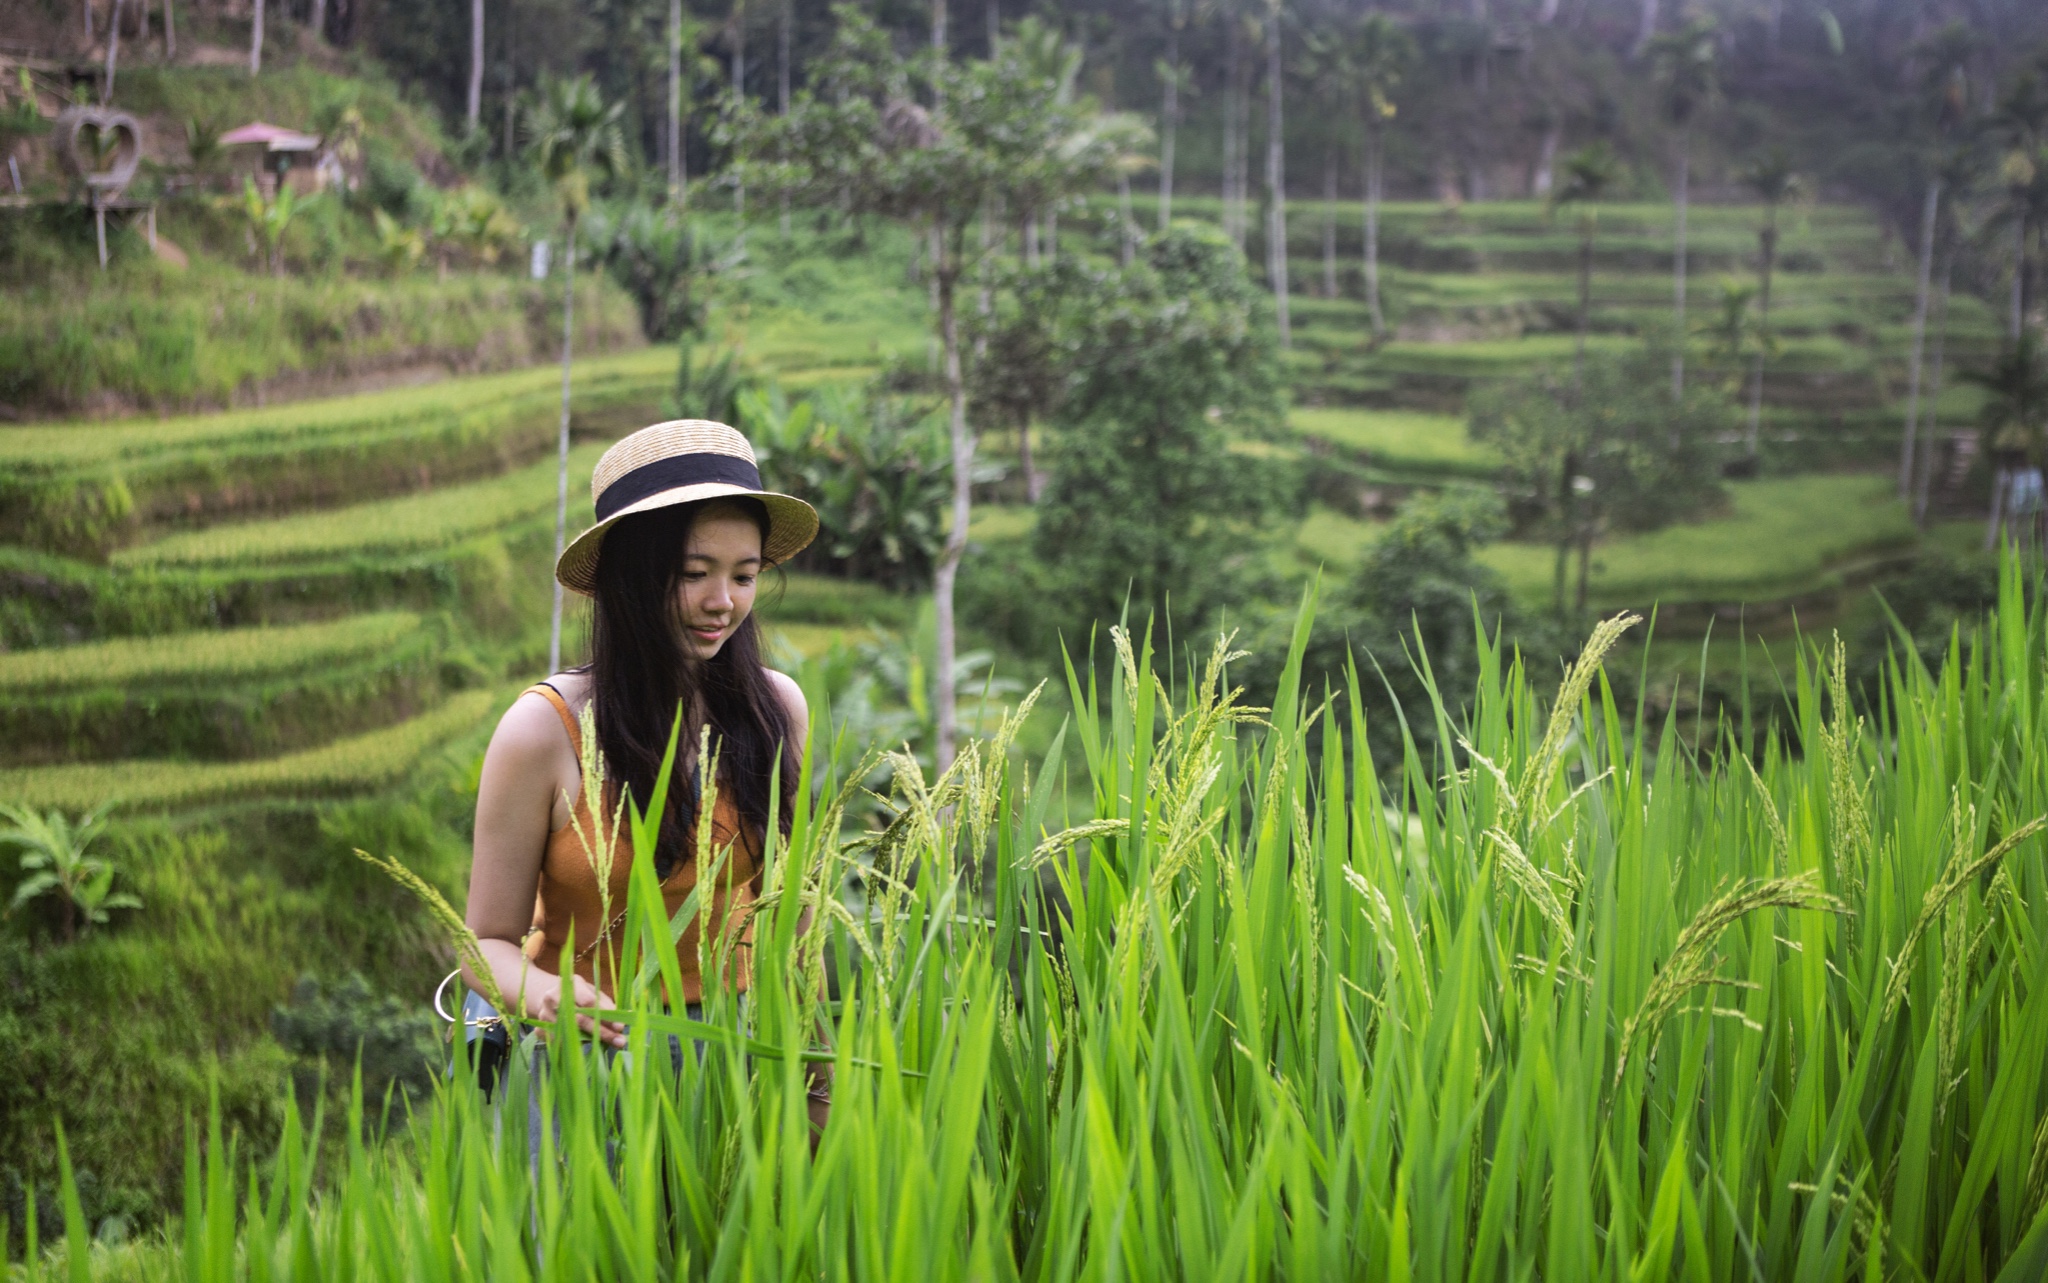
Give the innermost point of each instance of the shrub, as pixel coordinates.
(340, 1029)
(877, 468)
(55, 863)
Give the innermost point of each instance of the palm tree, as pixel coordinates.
(1589, 173)
(1960, 174)
(1946, 85)
(1771, 178)
(572, 132)
(1173, 78)
(1276, 176)
(1364, 66)
(2014, 418)
(256, 40)
(113, 54)
(1235, 112)
(475, 105)
(2021, 122)
(1732, 330)
(1684, 63)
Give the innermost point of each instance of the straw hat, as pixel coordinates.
(682, 461)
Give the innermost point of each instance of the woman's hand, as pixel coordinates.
(544, 1003)
(818, 1099)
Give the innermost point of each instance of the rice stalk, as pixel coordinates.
(1692, 962)
(1942, 892)
(1542, 766)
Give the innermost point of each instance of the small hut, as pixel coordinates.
(286, 156)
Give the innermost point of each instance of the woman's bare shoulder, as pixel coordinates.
(533, 725)
(528, 729)
(791, 695)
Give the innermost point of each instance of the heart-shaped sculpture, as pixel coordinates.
(108, 158)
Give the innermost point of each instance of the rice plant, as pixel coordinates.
(1587, 1000)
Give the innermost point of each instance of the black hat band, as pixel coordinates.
(673, 473)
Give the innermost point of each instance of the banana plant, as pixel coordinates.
(269, 218)
(55, 861)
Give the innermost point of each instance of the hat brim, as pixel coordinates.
(792, 524)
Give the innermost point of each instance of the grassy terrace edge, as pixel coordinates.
(355, 764)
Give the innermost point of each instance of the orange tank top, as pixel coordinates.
(569, 891)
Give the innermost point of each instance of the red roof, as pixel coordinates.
(272, 137)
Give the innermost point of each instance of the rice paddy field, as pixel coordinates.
(1180, 991)
(1604, 1001)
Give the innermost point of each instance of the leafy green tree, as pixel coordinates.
(572, 136)
(1020, 372)
(1604, 449)
(1589, 175)
(1732, 331)
(857, 138)
(2020, 124)
(56, 861)
(1771, 178)
(1687, 81)
(877, 469)
(2014, 417)
(1419, 592)
(665, 260)
(1149, 502)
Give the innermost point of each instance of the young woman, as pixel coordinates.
(684, 531)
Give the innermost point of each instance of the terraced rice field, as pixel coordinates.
(302, 600)
(232, 655)
(343, 569)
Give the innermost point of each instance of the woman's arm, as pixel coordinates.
(527, 766)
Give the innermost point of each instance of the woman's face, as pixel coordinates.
(721, 563)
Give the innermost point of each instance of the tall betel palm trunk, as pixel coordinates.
(256, 40)
(946, 272)
(1330, 224)
(113, 53)
(1233, 139)
(1685, 75)
(1770, 176)
(1373, 152)
(473, 108)
(1767, 240)
(675, 99)
(1589, 172)
(1169, 112)
(573, 131)
(1276, 178)
(1683, 202)
(1378, 54)
(562, 437)
(1922, 287)
(1923, 486)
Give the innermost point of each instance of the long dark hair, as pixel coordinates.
(640, 674)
